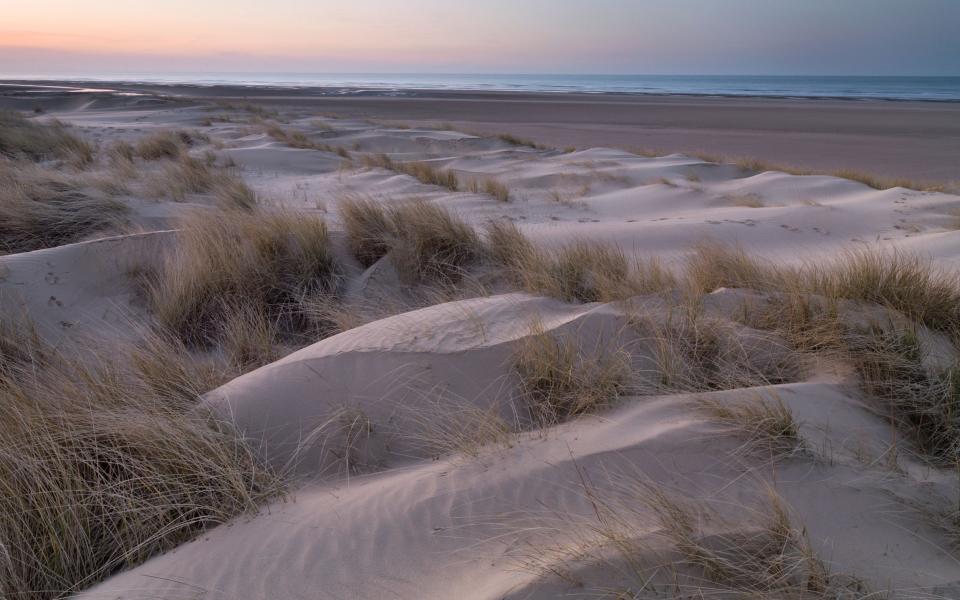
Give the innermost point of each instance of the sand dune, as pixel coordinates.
(418, 470)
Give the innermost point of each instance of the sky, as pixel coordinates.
(778, 37)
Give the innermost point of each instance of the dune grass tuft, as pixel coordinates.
(921, 400)
(745, 200)
(581, 271)
(301, 141)
(905, 282)
(585, 272)
(491, 187)
(187, 175)
(696, 354)
(658, 542)
(41, 208)
(100, 470)
(24, 138)
(559, 380)
(238, 268)
(509, 247)
(369, 227)
(425, 242)
(163, 144)
(421, 171)
(518, 141)
(768, 424)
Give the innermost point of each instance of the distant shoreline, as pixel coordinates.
(383, 90)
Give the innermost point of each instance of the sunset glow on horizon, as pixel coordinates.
(600, 36)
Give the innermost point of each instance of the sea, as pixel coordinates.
(944, 89)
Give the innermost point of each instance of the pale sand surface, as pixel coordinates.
(409, 524)
(917, 140)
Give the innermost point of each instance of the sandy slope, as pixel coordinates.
(391, 516)
(465, 527)
(82, 290)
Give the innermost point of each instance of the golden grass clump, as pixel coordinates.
(712, 266)
(559, 380)
(768, 424)
(696, 354)
(41, 208)
(518, 141)
(233, 193)
(234, 268)
(921, 400)
(163, 144)
(745, 200)
(491, 187)
(22, 138)
(369, 229)
(772, 558)
(299, 140)
(430, 175)
(120, 157)
(582, 271)
(507, 246)
(653, 541)
(432, 244)
(902, 281)
(811, 324)
(99, 471)
(188, 175)
(587, 272)
(421, 171)
(425, 242)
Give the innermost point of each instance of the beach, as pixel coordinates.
(354, 347)
(897, 139)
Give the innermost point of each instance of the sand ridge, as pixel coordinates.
(392, 513)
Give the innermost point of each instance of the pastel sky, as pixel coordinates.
(871, 37)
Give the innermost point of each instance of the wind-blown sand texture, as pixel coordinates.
(416, 469)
